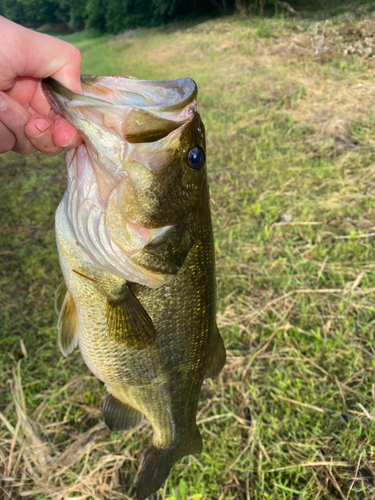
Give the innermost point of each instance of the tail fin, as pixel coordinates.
(158, 462)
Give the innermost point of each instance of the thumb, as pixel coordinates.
(37, 55)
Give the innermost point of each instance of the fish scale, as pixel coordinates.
(142, 311)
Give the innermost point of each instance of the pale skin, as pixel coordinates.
(27, 122)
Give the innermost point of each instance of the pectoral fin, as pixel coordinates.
(119, 416)
(217, 358)
(67, 323)
(128, 322)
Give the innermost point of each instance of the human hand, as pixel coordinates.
(27, 121)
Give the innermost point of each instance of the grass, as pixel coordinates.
(290, 137)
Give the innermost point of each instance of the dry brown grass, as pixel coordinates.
(33, 465)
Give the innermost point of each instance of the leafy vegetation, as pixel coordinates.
(290, 144)
(115, 16)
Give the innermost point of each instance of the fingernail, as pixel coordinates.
(3, 104)
(64, 134)
(42, 125)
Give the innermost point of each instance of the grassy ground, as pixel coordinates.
(290, 128)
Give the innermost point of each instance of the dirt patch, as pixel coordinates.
(325, 40)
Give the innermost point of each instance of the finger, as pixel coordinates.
(39, 130)
(33, 54)
(24, 90)
(7, 139)
(65, 135)
(29, 92)
(70, 74)
(14, 117)
(51, 136)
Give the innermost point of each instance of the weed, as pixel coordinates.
(264, 31)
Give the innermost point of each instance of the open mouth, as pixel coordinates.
(138, 111)
(154, 95)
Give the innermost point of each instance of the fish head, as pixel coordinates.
(144, 139)
(140, 175)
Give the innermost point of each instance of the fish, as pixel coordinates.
(136, 249)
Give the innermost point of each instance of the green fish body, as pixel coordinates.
(136, 250)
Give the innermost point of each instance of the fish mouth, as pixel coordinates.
(154, 95)
(131, 110)
(57, 94)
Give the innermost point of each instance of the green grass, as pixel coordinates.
(292, 416)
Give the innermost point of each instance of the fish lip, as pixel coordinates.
(54, 89)
(49, 84)
(57, 94)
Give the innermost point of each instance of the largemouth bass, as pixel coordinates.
(136, 250)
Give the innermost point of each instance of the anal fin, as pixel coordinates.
(217, 358)
(128, 322)
(67, 323)
(119, 416)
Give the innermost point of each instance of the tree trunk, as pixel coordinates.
(241, 7)
(261, 7)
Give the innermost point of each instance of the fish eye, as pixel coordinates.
(196, 158)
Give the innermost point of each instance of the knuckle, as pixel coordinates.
(7, 139)
(52, 151)
(74, 54)
(24, 149)
(77, 55)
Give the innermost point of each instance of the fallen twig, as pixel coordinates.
(349, 236)
(299, 403)
(310, 464)
(285, 6)
(333, 481)
(355, 477)
(321, 41)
